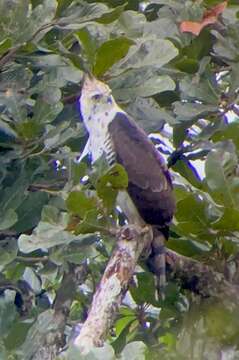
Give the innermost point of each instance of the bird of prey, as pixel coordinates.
(114, 133)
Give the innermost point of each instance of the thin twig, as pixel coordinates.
(9, 55)
(26, 259)
(12, 52)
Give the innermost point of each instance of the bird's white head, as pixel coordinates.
(97, 104)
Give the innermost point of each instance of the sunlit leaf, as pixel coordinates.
(79, 203)
(46, 236)
(108, 185)
(220, 168)
(110, 53)
(150, 52)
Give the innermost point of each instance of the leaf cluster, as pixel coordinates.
(57, 212)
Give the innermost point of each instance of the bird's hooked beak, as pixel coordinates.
(89, 82)
(92, 85)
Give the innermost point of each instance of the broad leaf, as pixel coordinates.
(149, 52)
(79, 203)
(220, 168)
(110, 53)
(46, 236)
(135, 350)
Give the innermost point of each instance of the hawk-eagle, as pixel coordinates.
(114, 133)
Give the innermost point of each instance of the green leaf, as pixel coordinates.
(134, 351)
(14, 83)
(112, 15)
(79, 203)
(13, 195)
(188, 171)
(187, 65)
(79, 14)
(8, 251)
(31, 277)
(200, 90)
(46, 236)
(123, 323)
(28, 129)
(74, 253)
(62, 5)
(149, 52)
(229, 132)
(217, 317)
(78, 171)
(229, 221)
(105, 352)
(110, 53)
(50, 214)
(194, 221)
(36, 335)
(220, 168)
(6, 127)
(116, 176)
(18, 12)
(8, 313)
(27, 21)
(5, 45)
(180, 191)
(132, 23)
(140, 83)
(8, 219)
(59, 135)
(29, 212)
(149, 115)
(17, 334)
(92, 222)
(225, 46)
(87, 38)
(108, 185)
(44, 112)
(188, 247)
(163, 27)
(192, 111)
(144, 291)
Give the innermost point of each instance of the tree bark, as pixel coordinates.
(200, 278)
(193, 275)
(113, 286)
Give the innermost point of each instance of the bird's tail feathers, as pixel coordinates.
(157, 262)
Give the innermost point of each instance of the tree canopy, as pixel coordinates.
(173, 65)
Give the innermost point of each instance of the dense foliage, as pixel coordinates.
(183, 84)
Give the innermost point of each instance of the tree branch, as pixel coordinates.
(200, 278)
(132, 240)
(193, 275)
(10, 54)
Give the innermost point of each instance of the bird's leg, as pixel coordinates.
(157, 263)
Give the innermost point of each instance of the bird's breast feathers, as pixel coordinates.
(113, 133)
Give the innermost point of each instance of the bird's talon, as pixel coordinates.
(128, 232)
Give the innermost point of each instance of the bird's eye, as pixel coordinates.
(97, 97)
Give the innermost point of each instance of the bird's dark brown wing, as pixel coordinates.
(150, 185)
